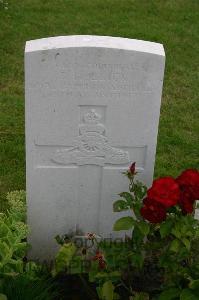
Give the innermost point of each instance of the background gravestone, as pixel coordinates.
(92, 108)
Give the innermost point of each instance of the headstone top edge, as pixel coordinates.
(73, 41)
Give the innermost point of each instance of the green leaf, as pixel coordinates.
(77, 265)
(187, 244)
(194, 284)
(127, 196)
(3, 297)
(31, 268)
(115, 275)
(64, 257)
(169, 294)
(137, 237)
(19, 249)
(139, 190)
(93, 271)
(175, 231)
(188, 295)
(5, 251)
(99, 292)
(136, 209)
(124, 223)
(140, 296)
(16, 265)
(174, 246)
(143, 227)
(4, 229)
(165, 228)
(116, 296)
(59, 240)
(11, 239)
(107, 290)
(137, 260)
(120, 205)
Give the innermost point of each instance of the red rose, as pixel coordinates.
(100, 258)
(153, 211)
(186, 200)
(98, 255)
(186, 204)
(132, 168)
(165, 190)
(102, 264)
(189, 183)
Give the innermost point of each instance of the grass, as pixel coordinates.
(173, 23)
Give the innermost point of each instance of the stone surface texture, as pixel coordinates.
(92, 108)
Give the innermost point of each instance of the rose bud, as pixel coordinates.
(132, 168)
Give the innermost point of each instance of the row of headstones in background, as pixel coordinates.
(92, 108)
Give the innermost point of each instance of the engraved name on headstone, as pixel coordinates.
(92, 108)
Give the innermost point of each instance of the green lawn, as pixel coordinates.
(173, 23)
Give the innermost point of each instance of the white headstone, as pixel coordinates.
(92, 108)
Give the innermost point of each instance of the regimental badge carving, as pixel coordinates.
(91, 146)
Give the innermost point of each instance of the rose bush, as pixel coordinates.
(159, 258)
(164, 232)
